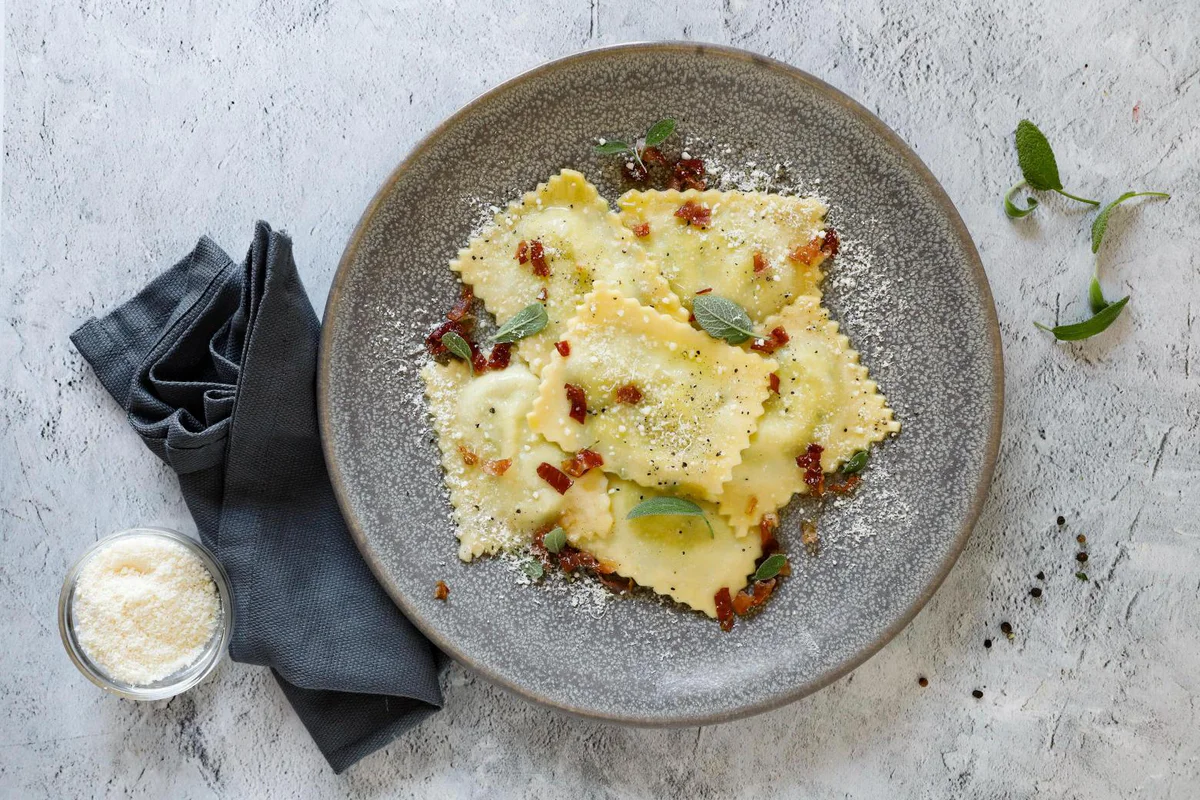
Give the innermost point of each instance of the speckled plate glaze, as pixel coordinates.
(909, 290)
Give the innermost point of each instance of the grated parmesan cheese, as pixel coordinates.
(144, 608)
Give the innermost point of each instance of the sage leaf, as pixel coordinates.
(459, 347)
(1089, 327)
(1096, 296)
(534, 570)
(526, 322)
(612, 147)
(856, 462)
(770, 568)
(1100, 224)
(555, 540)
(722, 319)
(669, 506)
(659, 131)
(1012, 209)
(1036, 159)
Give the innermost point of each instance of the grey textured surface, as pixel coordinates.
(128, 131)
(881, 554)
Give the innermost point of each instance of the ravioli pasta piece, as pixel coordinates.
(485, 415)
(700, 398)
(583, 241)
(825, 396)
(721, 255)
(674, 555)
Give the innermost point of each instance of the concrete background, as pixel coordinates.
(131, 129)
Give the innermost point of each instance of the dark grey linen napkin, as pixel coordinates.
(216, 364)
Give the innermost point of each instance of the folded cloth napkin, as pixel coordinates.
(215, 363)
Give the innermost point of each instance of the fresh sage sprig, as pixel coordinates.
(856, 462)
(722, 318)
(526, 322)
(555, 540)
(1039, 170)
(655, 135)
(1099, 321)
(459, 347)
(1100, 224)
(669, 506)
(770, 568)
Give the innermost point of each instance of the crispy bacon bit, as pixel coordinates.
(605, 568)
(847, 486)
(441, 591)
(752, 597)
(760, 263)
(808, 536)
(615, 584)
(462, 306)
(642, 229)
(553, 476)
(807, 253)
(563, 348)
(469, 458)
(497, 467)
(571, 559)
(778, 338)
(578, 465)
(578, 401)
(522, 252)
(691, 317)
(542, 294)
(724, 608)
(694, 214)
(774, 383)
(629, 394)
(688, 174)
(537, 256)
(652, 155)
(831, 243)
(433, 342)
(810, 462)
(766, 532)
(501, 356)
(705, 290)
(479, 361)
(786, 569)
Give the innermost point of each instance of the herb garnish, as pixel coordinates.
(1038, 167)
(555, 540)
(459, 347)
(526, 322)
(770, 568)
(1040, 173)
(534, 570)
(669, 506)
(856, 462)
(655, 136)
(722, 318)
(1089, 327)
(1100, 224)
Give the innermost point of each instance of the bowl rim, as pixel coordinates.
(940, 197)
(215, 649)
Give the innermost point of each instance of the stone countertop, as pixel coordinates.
(129, 131)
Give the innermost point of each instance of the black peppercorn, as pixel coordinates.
(1062, 520)
(1041, 576)
(923, 681)
(1035, 592)
(977, 694)
(1081, 558)
(1006, 628)
(987, 643)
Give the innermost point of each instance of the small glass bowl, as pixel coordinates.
(179, 681)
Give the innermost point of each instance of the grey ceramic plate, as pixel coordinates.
(908, 288)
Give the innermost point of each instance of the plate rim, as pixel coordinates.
(991, 449)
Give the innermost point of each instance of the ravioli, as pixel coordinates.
(485, 416)
(700, 398)
(583, 241)
(825, 396)
(721, 255)
(673, 555)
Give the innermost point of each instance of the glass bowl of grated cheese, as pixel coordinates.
(146, 613)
